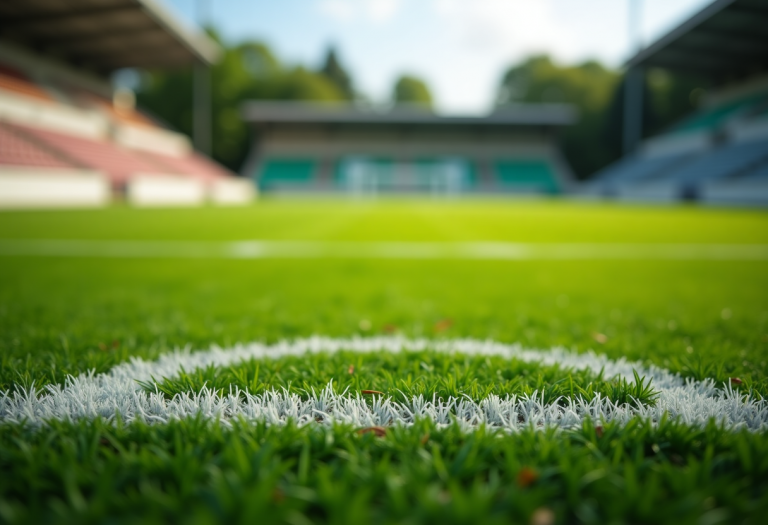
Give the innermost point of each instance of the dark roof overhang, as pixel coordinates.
(726, 39)
(105, 35)
(298, 114)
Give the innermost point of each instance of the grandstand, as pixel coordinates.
(67, 137)
(719, 154)
(361, 151)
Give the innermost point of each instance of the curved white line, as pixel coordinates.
(117, 393)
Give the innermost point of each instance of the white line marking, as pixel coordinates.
(264, 249)
(117, 393)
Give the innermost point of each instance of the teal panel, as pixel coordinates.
(471, 174)
(340, 173)
(527, 175)
(432, 174)
(712, 118)
(468, 169)
(286, 171)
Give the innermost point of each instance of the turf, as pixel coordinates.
(404, 376)
(190, 472)
(62, 316)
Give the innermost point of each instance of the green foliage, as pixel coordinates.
(412, 90)
(588, 86)
(192, 471)
(673, 97)
(246, 71)
(597, 92)
(335, 72)
(667, 98)
(407, 375)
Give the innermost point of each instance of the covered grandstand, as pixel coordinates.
(719, 154)
(67, 137)
(346, 148)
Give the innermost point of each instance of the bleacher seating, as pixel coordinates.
(16, 150)
(636, 169)
(13, 81)
(726, 161)
(759, 172)
(123, 115)
(73, 129)
(682, 176)
(103, 156)
(68, 137)
(369, 174)
(697, 169)
(750, 189)
(192, 164)
(716, 116)
(461, 171)
(433, 174)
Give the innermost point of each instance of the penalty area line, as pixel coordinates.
(118, 393)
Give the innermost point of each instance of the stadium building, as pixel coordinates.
(347, 148)
(719, 154)
(67, 138)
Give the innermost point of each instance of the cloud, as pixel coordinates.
(341, 10)
(378, 11)
(504, 26)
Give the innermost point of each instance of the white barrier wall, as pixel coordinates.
(649, 192)
(25, 187)
(746, 192)
(165, 190)
(232, 191)
(52, 116)
(151, 139)
(675, 144)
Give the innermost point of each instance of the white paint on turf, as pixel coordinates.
(118, 394)
(264, 249)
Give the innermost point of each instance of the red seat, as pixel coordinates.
(117, 162)
(15, 150)
(17, 84)
(192, 164)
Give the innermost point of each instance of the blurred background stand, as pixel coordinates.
(63, 122)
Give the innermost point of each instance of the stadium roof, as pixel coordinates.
(105, 35)
(347, 114)
(725, 39)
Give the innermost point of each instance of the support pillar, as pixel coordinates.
(202, 109)
(201, 96)
(633, 109)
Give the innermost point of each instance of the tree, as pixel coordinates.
(598, 93)
(334, 71)
(410, 89)
(588, 86)
(673, 96)
(247, 71)
(667, 98)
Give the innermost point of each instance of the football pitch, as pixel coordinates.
(392, 361)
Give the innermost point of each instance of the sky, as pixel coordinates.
(461, 48)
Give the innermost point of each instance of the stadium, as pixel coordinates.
(68, 138)
(406, 149)
(718, 154)
(239, 292)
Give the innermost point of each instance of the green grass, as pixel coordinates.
(418, 220)
(62, 316)
(190, 472)
(404, 376)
